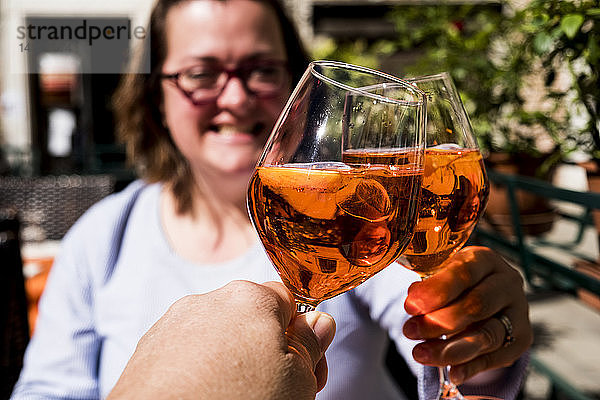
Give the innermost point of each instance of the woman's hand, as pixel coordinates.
(466, 301)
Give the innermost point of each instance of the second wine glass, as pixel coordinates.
(335, 192)
(454, 192)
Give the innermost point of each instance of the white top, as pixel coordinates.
(116, 275)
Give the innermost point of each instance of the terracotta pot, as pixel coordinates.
(591, 270)
(593, 177)
(34, 286)
(537, 215)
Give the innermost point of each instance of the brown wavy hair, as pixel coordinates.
(138, 98)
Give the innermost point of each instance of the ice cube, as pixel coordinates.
(365, 199)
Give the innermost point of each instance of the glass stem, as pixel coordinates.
(448, 390)
(301, 308)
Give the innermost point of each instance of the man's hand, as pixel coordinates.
(242, 341)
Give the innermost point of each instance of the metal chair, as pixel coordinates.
(14, 326)
(49, 205)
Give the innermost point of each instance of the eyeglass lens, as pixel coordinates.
(206, 81)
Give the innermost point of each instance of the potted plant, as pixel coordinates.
(528, 78)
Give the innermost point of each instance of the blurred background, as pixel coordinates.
(527, 72)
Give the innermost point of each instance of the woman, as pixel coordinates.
(221, 72)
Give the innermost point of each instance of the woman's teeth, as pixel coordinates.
(227, 130)
(230, 130)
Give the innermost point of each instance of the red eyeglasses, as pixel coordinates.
(204, 83)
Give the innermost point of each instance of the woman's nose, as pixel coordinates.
(234, 94)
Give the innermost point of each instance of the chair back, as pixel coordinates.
(49, 205)
(14, 326)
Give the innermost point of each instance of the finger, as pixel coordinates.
(464, 347)
(503, 357)
(479, 348)
(310, 334)
(494, 293)
(321, 371)
(468, 267)
(285, 300)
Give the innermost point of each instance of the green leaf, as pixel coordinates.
(593, 55)
(570, 24)
(594, 12)
(542, 43)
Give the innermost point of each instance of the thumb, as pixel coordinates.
(310, 334)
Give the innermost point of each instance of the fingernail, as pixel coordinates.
(411, 329)
(323, 326)
(414, 306)
(421, 354)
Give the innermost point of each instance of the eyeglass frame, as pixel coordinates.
(231, 72)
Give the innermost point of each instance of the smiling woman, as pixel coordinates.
(220, 74)
(206, 35)
(223, 138)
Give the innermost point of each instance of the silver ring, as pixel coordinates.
(508, 330)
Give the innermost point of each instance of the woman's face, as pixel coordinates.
(222, 138)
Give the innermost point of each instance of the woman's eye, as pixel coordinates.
(266, 71)
(200, 75)
(266, 74)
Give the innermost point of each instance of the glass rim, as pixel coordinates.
(458, 106)
(445, 76)
(394, 81)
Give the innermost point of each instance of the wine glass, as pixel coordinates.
(454, 191)
(335, 191)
